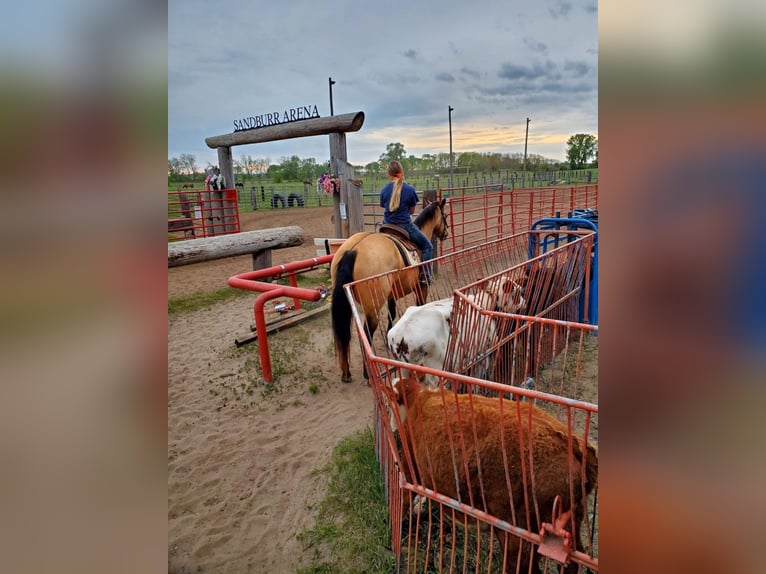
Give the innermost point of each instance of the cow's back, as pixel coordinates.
(472, 432)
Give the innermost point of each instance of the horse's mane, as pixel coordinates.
(428, 213)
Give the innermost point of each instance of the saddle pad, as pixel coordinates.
(408, 250)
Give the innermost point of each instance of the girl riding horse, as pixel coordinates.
(366, 254)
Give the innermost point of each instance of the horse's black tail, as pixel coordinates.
(340, 308)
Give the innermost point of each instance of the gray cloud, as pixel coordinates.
(535, 46)
(445, 77)
(580, 68)
(560, 9)
(411, 54)
(591, 8)
(516, 72)
(470, 72)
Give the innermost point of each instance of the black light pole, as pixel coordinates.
(331, 81)
(526, 137)
(449, 111)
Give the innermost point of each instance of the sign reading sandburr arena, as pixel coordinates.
(276, 118)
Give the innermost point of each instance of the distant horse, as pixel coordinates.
(366, 254)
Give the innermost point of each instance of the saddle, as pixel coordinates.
(402, 240)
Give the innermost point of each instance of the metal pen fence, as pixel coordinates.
(469, 495)
(202, 213)
(479, 214)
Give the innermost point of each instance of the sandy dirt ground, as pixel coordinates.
(242, 457)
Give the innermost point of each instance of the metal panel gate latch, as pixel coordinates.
(555, 541)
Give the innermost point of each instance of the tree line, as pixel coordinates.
(581, 150)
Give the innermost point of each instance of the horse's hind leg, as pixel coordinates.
(421, 294)
(370, 326)
(391, 313)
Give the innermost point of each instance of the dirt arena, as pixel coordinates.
(242, 456)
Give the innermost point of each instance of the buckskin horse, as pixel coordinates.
(365, 254)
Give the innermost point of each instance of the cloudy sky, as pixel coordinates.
(402, 63)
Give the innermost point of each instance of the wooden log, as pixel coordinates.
(244, 243)
(310, 127)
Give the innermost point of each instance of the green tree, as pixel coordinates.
(429, 162)
(470, 160)
(372, 168)
(308, 169)
(580, 148)
(394, 151)
(276, 173)
(290, 167)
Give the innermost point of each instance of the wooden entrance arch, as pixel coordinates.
(348, 203)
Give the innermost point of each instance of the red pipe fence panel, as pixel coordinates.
(494, 474)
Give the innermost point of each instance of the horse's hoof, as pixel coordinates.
(345, 379)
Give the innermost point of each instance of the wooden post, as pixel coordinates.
(226, 165)
(340, 215)
(229, 215)
(262, 259)
(356, 206)
(216, 212)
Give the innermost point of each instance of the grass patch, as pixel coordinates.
(351, 533)
(197, 301)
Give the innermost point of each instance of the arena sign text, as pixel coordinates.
(275, 118)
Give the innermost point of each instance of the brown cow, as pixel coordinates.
(475, 472)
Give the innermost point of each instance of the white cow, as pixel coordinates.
(421, 335)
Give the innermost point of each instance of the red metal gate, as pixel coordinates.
(455, 503)
(484, 213)
(199, 213)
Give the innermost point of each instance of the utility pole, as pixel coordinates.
(526, 137)
(449, 111)
(331, 81)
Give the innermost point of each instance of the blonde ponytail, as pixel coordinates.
(396, 194)
(395, 172)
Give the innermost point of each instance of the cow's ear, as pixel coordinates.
(404, 387)
(398, 389)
